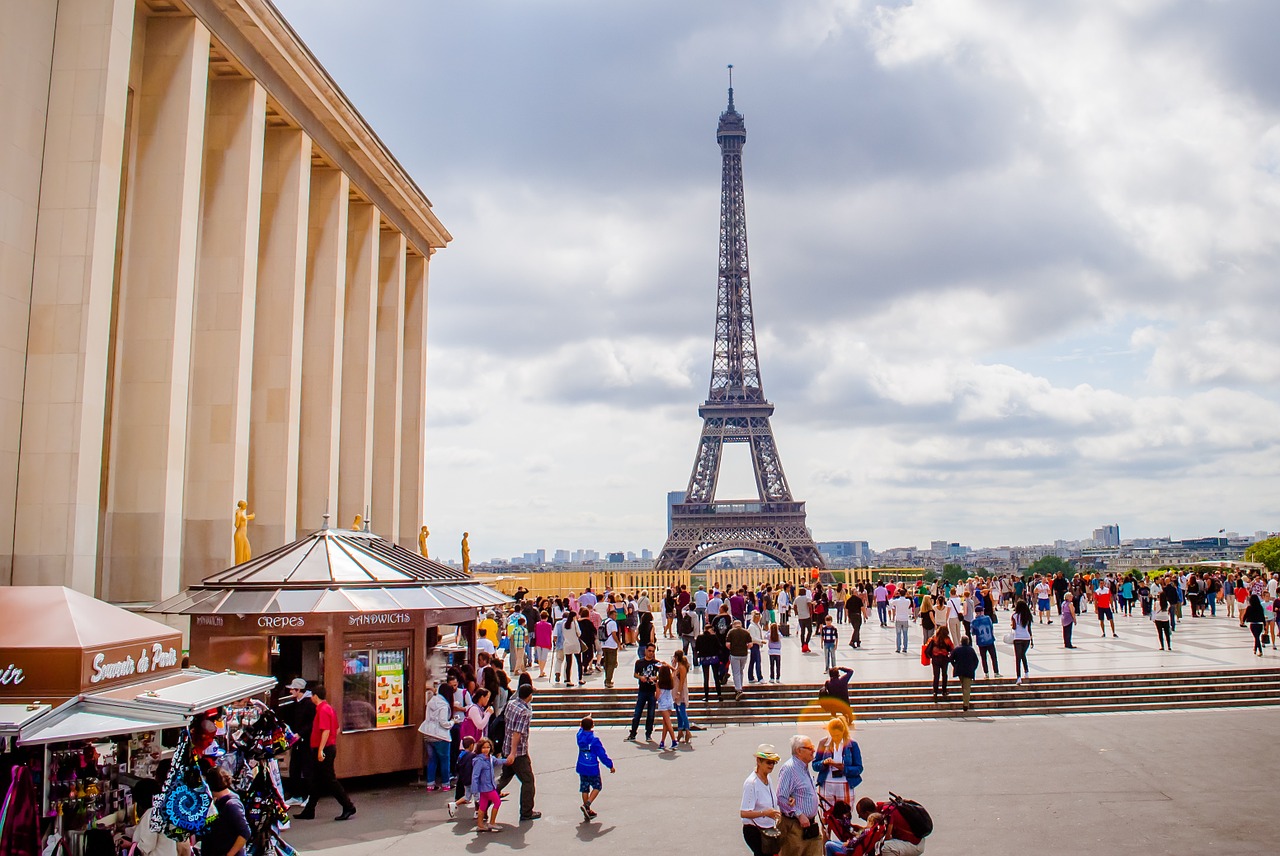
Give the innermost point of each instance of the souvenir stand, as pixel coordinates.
(87, 691)
(348, 609)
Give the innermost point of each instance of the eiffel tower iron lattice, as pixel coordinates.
(736, 410)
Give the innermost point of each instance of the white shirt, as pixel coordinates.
(757, 796)
(485, 644)
(756, 631)
(901, 607)
(802, 606)
(1042, 591)
(609, 632)
(154, 844)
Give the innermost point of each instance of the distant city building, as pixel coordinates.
(646, 555)
(845, 549)
(561, 557)
(614, 558)
(938, 548)
(1107, 536)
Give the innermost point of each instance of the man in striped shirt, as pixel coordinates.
(798, 802)
(517, 638)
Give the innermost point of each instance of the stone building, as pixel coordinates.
(213, 287)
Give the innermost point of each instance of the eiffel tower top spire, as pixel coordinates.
(735, 368)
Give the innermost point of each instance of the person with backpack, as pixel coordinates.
(609, 642)
(984, 636)
(907, 824)
(687, 628)
(964, 660)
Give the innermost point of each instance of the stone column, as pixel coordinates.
(322, 329)
(26, 64)
(413, 440)
(387, 392)
(60, 468)
(149, 414)
(355, 478)
(217, 468)
(277, 339)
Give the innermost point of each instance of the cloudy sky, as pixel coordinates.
(1014, 263)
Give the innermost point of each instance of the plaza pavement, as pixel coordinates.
(1172, 783)
(1163, 783)
(1200, 644)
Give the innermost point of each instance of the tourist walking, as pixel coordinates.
(830, 636)
(798, 802)
(938, 652)
(709, 653)
(759, 811)
(324, 737)
(1102, 606)
(881, 596)
(759, 637)
(803, 604)
(688, 625)
(228, 832)
(984, 636)
(1255, 616)
(1021, 622)
(571, 646)
(680, 672)
(925, 614)
(591, 755)
(666, 705)
(965, 662)
(485, 785)
(1068, 621)
(1161, 617)
(856, 608)
(646, 672)
(902, 607)
(738, 641)
(609, 642)
(775, 654)
(519, 715)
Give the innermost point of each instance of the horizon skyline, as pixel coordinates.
(1010, 261)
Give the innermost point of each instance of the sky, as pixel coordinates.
(1014, 263)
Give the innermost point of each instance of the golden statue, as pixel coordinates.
(466, 553)
(422, 542)
(358, 522)
(241, 537)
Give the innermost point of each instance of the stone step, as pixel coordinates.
(913, 700)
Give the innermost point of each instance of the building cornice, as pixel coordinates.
(258, 38)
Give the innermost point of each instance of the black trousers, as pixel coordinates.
(325, 783)
(301, 757)
(709, 671)
(856, 638)
(751, 835)
(522, 769)
(939, 673)
(806, 630)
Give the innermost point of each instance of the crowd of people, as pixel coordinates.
(478, 718)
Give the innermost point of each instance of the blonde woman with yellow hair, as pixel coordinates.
(838, 763)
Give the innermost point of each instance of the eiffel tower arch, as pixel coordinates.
(736, 410)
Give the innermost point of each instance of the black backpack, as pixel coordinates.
(915, 815)
(685, 624)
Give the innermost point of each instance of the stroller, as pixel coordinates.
(837, 819)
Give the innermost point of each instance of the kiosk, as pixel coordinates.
(348, 609)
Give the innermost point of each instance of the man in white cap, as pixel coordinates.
(298, 716)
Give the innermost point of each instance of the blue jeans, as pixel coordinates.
(900, 632)
(828, 656)
(754, 671)
(882, 610)
(646, 700)
(682, 717)
(437, 762)
(834, 848)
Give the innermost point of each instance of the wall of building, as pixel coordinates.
(212, 288)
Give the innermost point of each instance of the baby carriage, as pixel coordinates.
(837, 819)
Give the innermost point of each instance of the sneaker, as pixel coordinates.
(453, 809)
(586, 812)
(592, 813)
(533, 815)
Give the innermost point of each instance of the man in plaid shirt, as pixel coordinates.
(798, 802)
(517, 637)
(518, 715)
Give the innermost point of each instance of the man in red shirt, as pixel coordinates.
(1102, 606)
(324, 739)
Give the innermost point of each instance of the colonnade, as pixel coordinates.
(224, 284)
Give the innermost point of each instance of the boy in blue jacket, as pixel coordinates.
(591, 755)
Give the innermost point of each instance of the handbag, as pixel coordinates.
(770, 836)
(1009, 638)
(924, 654)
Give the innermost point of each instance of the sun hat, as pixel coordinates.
(766, 752)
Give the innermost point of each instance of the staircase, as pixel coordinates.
(780, 704)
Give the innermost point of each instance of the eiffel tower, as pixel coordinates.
(736, 410)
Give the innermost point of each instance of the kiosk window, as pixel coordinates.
(373, 688)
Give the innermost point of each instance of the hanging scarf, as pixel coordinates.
(19, 816)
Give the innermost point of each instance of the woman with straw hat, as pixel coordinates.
(759, 811)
